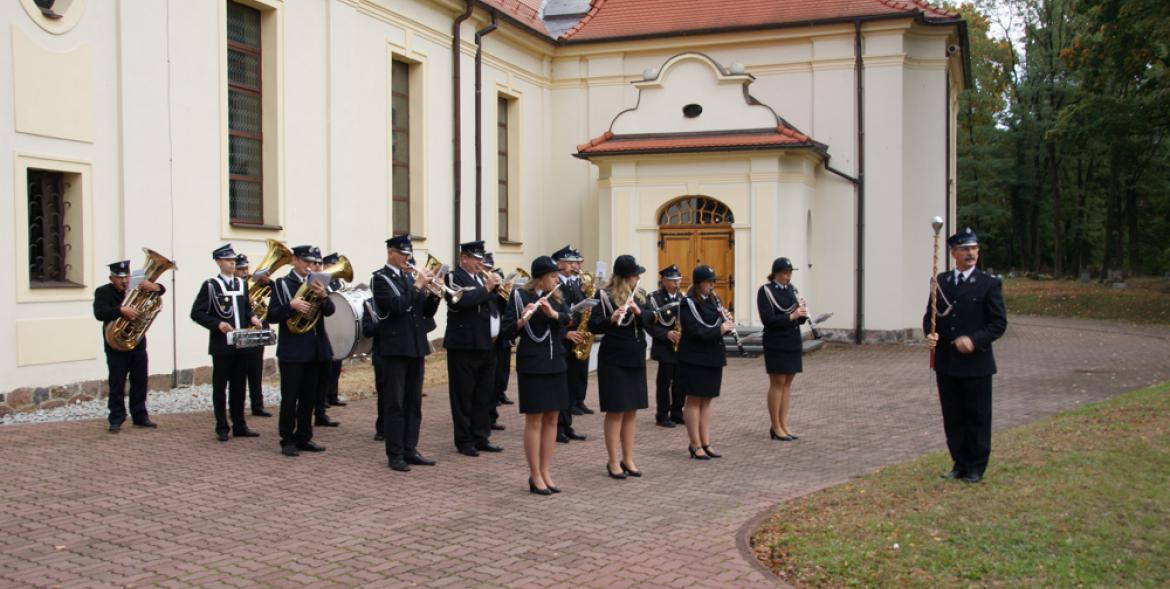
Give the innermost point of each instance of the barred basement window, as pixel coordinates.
(245, 115)
(48, 233)
(400, 147)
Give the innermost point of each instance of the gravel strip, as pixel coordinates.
(180, 400)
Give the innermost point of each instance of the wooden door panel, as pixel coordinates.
(715, 250)
(678, 248)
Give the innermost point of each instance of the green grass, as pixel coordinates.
(1144, 301)
(1078, 500)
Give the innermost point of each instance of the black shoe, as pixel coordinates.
(398, 464)
(337, 403)
(261, 412)
(562, 438)
(419, 460)
(678, 420)
(221, 436)
(504, 400)
(711, 453)
(554, 489)
(576, 436)
(629, 471)
(289, 451)
(793, 437)
(575, 410)
(469, 451)
(663, 422)
(488, 447)
(972, 478)
(775, 436)
(620, 475)
(533, 489)
(695, 454)
(115, 428)
(584, 409)
(310, 446)
(952, 474)
(325, 421)
(498, 426)
(243, 432)
(145, 423)
(379, 438)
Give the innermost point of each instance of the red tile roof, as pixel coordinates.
(610, 144)
(526, 12)
(630, 18)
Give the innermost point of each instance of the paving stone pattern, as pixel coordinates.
(175, 508)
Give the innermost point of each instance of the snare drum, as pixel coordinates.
(344, 326)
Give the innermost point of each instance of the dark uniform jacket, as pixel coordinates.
(469, 320)
(213, 305)
(701, 345)
(107, 302)
(404, 309)
(623, 345)
(974, 309)
(780, 331)
(308, 347)
(660, 348)
(548, 355)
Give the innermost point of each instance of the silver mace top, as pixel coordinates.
(937, 223)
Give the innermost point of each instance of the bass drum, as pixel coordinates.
(344, 326)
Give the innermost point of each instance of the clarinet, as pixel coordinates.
(734, 331)
(812, 323)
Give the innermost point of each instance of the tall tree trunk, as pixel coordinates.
(1057, 216)
(1113, 197)
(1131, 229)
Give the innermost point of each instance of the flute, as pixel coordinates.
(528, 314)
(629, 299)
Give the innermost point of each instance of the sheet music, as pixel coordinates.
(322, 278)
(136, 278)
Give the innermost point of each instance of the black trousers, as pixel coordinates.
(229, 378)
(121, 365)
(669, 399)
(400, 402)
(577, 376)
(966, 410)
(470, 374)
(379, 382)
(503, 359)
(299, 386)
(327, 376)
(335, 378)
(256, 378)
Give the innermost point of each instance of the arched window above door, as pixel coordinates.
(695, 210)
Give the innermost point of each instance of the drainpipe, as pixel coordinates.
(457, 122)
(859, 300)
(479, 35)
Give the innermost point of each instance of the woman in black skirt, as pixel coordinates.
(782, 311)
(701, 358)
(621, 362)
(540, 367)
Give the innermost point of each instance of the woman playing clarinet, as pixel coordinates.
(701, 358)
(781, 311)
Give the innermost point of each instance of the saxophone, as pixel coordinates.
(123, 334)
(582, 350)
(302, 323)
(277, 255)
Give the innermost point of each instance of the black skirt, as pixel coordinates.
(782, 362)
(542, 392)
(621, 388)
(698, 381)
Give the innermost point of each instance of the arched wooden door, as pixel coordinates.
(695, 230)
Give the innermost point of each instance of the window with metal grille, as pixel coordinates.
(695, 210)
(400, 146)
(502, 177)
(47, 230)
(245, 115)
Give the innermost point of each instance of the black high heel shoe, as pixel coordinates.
(711, 453)
(629, 471)
(620, 475)
(772, 434)
(532, 489)
(554, 489)
(695, 454)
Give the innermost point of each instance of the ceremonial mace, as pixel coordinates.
(937, 224)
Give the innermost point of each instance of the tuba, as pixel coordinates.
(304, 322)
(123, 334)
(582, 350)
(520, 275)
(277, 255)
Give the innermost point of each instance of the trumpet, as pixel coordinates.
(734, 331)
(437, 286)
(509, 282)
(528, 314)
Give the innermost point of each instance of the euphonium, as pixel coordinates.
(582, 349)
(510, 282)
(123, 334)
(304, 322)
(277, 255)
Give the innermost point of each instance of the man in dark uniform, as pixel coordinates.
(663, 330)
(330, 373)
(971, 315)
(301, 356)
(403, 305)
(107, 306)
(577, 371)
(222, 306)
(255, 368)
(501, 350)
(473, 323)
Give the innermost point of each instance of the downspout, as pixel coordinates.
(479, 35)
(859, 71)
(456, 125)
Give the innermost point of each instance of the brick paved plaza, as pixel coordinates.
(174, 508)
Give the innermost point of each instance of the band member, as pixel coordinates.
(330, 373)
(621, 362)
(473, 324)
(781, 312)
(540, 367)
(107, 306)
(701, 358)
(255, 368)
(333, 399)
(222, 306)
(300, 355)
(502, 351)
(404, 306)
(663, 326)
(971, 315)
(568, 262)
